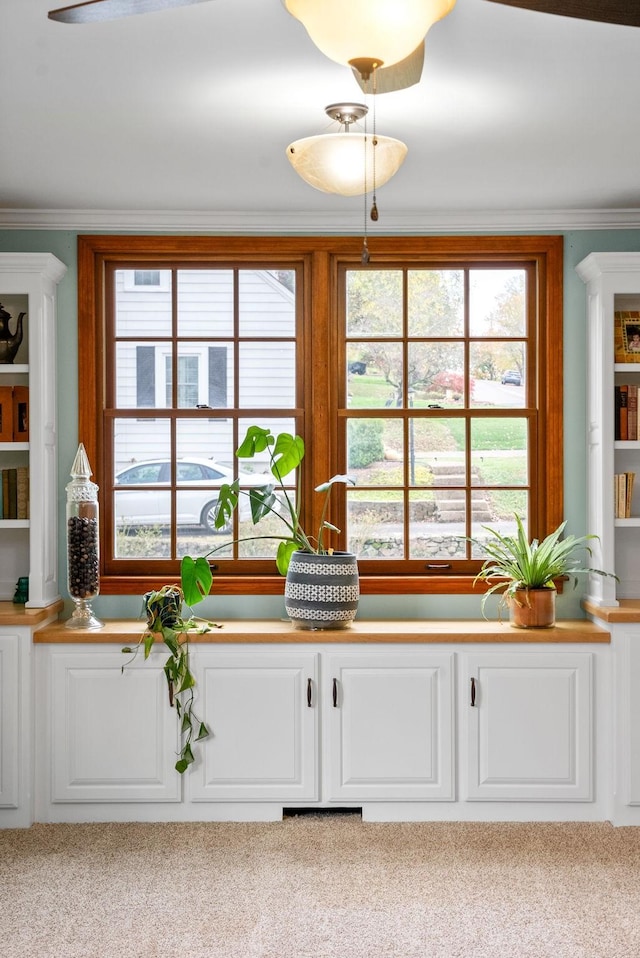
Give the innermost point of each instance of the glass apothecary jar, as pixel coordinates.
(83, 544)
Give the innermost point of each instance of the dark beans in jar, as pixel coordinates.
(82, 554)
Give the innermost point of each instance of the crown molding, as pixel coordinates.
(245, 223)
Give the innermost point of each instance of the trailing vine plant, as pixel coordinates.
(164, 618)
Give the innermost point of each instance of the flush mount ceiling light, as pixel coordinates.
(342, 162)
(367, 34)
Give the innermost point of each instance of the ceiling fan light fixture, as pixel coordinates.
(380, 32)
(93, 11)
(339, 162)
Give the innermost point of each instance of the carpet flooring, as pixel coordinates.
(320, 887)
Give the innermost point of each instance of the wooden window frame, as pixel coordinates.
(320, 260)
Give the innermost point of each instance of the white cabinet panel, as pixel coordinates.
(113, 735)
(10, 724)
(390, 726)
(529, 731)
(261, 710)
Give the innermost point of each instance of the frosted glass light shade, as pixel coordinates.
(383, 30)
(335, 162)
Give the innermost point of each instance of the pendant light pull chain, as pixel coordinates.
(365, 256)
(374, 205)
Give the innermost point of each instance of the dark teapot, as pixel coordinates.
(9, 344)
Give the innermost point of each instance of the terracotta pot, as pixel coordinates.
(533, 609)
(322, 591)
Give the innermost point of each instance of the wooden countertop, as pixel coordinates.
(628, 610)
(426, 631)
(11, 613)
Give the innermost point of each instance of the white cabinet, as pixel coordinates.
(16, 710)
(28, 546)
(10, 727)
(613, 286)
(396, 730)
(388, 720)
(528, 726)
(108, 734)
(383, 722)
(262, 712)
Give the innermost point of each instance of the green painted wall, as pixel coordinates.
(578, 244)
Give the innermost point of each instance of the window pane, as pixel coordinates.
(205, 302)
(375, 451)
(375, 523)
(267, 302)
(374, 303)
(499, 452)
(267, 374)
(437, 446)
(142, 310)
(205, 375)
(436, 302)
(497, 304)
(137, 541)
(498, 374)
(432, 537)
(374, 375)
(505, 505)
(138, 441)
(436, 374)
(210, 440)
(140, 374)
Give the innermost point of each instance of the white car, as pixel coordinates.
(150, 505)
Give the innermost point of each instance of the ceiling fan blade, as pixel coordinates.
(398, 76)
(93, 10)
(622, 12)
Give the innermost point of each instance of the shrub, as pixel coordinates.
(365, 442)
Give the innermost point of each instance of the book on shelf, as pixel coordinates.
(22, 492)
(14, 493)
(627, 421)
(6, 414)
(632, 414)
(624, 411)
(10, 493)
(623, 494)
(20, 413)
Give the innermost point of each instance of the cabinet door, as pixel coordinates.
(114, 737)
(10, 721)
(528, 722)
(390, 726)
(261, 710)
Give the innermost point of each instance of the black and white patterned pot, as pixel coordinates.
(322, 591)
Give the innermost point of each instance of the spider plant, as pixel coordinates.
(518, 564)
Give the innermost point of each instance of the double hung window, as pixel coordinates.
(433, 375)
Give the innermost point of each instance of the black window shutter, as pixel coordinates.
(145, 376)
(217, 376)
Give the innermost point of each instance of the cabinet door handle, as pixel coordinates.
(473, 691)
(309, 690)
(335, 693)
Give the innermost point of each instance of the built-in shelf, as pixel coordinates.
(29, 547)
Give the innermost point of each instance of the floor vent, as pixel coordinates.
(321, 812)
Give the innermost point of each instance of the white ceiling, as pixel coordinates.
(183, 117)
